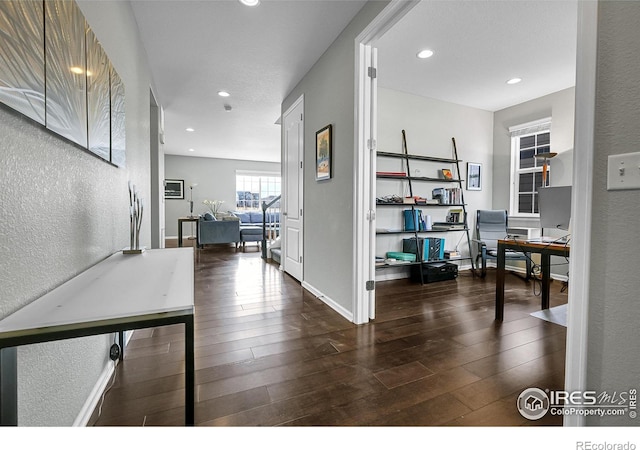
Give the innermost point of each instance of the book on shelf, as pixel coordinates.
(447, 196)
(449, 254)
(456, 216)
(446, 174)
(448, 226)
(392, 174)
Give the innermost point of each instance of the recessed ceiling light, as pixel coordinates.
(76, 70)
(191, 150)
(223, 94)
(250, 2)
(514, 81)
(190, 129)
(424, 54)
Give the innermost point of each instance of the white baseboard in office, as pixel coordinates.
(522, 270)
(403, 272)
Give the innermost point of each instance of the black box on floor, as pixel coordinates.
(431, 272)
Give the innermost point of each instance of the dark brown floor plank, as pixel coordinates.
(269, 353)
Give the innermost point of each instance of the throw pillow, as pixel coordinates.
(244, 217)
(209, 217)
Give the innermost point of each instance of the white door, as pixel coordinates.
(364, 306)
(293, 154)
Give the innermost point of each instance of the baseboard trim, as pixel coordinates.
(95, 396)
(329, 302)
(84, 416)
(402, 273)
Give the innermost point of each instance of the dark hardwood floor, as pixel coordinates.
(269, 353)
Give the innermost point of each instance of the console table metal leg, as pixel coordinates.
(189, 387)
(121, 343)
(9, 386)
(545, 261)
(500, 283)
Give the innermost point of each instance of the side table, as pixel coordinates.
(182, 220)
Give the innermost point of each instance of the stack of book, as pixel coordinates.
(450, 254)
(392, 174)
(448, 196)
(446, 226)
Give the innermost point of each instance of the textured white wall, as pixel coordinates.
(64, 210)
(614, 310)
(215, 179)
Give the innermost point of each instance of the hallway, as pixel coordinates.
(269, 353)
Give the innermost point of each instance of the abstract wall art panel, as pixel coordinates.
(65, 60)
(98, 98)
(54, 71)
(22, 57)
(118, 134)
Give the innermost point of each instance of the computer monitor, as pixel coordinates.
(554, 204)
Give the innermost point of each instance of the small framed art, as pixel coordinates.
(474, 176)
(174, 189)
(323, 153)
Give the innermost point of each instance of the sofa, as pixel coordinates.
(251, 225)
(212, 231)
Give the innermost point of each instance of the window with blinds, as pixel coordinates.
(527, 141)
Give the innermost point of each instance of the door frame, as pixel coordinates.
(285, 185)
(577, 316)
(365, 143)
(581, 201)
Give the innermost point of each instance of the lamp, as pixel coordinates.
(191, 199)
(545, 166)
(191, 216)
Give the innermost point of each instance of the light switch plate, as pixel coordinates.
(623, 171)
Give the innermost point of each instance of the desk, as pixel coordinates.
(182, 220)
(544, 249)
(122, 292)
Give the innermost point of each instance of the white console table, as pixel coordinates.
(120, 293)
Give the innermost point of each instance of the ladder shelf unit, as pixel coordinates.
(457, 181)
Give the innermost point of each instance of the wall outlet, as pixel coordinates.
(114, 352)
(623, 171)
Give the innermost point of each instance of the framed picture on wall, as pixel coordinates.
(323, 153)
(174, 189)
(474, 176)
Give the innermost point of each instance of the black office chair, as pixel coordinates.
(491, 225)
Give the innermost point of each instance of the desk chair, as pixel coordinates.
(491, 225)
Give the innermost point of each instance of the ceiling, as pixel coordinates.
(478, 46)
(259, 54)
